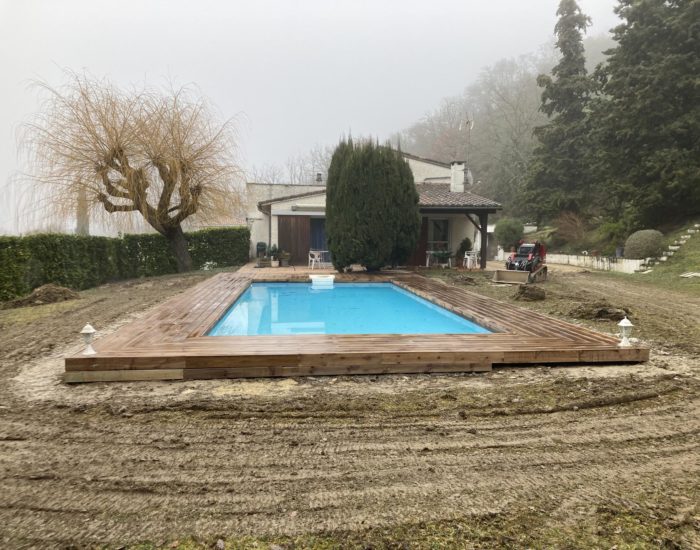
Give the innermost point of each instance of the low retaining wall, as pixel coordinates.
(602, 263)
(621, 265)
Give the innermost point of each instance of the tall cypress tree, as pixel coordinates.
(371, 207)
(558, 176)
(647, 121)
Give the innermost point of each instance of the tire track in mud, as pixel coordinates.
(94, 477)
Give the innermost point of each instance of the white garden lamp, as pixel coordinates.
(88, 333)
(625, 332)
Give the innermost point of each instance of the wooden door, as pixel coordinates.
(294, 236)
(418, 256)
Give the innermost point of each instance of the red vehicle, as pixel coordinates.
(525, 265)
(528, 257)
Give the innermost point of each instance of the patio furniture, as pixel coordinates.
(470, 259)
(430, 256)
(314, 258)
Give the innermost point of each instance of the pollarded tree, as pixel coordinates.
(157, 155)
(372, 214)
(559, 177)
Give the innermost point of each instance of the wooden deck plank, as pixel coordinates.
(170, 341)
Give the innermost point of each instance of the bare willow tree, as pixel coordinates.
(160, 156)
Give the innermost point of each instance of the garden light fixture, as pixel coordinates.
(88, 333)
(625, 332)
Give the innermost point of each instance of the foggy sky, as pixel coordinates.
(295, 73)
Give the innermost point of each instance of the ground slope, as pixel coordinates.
(540, 457)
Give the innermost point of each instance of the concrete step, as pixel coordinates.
(674, 247)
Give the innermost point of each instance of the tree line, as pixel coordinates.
(611, 139)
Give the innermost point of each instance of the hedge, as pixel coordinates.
(80, 262)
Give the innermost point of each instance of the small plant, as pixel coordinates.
(284, 258)
(464, 246)
(274, 251)
(208, 266)
(647, 243)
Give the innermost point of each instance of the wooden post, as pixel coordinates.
(483, 222)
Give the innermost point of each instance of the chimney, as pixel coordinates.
(457, 177)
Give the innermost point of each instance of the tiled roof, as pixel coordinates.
(439, 195)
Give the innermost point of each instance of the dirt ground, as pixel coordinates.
(541, 457)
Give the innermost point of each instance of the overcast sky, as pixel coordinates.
(296, 73)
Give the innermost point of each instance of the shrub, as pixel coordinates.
(80, 262)
(508, 232)
(570, 227)
(372, 214)
(647, 243)
(465, 245)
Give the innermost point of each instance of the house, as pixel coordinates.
(293, 216)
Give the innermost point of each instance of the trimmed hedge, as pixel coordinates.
(80, 262)
(647, 243)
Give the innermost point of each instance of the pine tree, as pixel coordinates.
(371, 207)
(558, 176)
(647, 121)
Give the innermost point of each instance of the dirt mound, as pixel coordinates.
(46, 294)
(600, 310)
(528, 293)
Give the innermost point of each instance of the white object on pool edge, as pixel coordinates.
(322, 281)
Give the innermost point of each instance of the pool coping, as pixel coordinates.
(170, 343)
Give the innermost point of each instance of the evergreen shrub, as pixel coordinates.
(372, 214)
(508, 233)
(647, 243)
(80, 262)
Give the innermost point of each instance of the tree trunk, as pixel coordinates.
(178, 245)
(82, 214)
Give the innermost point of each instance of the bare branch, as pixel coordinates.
(162, 152)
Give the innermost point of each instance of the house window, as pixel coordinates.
(438, 235)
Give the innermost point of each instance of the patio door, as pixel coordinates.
(418, 256)
(294, 234)
(318, 234)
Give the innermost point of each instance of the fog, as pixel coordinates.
(293, 74)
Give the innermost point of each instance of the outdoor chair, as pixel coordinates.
(470, 259)
(314, 259)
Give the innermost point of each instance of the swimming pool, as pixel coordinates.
(348, 308)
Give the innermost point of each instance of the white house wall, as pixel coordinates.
(424, 170)
(296, 207)
(258, 192)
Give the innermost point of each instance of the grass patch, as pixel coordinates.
(668, 274)
(606, 525)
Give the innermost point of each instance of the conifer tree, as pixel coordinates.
(647, 120)
(371, 207)
(558, 178)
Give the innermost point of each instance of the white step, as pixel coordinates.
(673, 247)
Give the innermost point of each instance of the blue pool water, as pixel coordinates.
(348, 308)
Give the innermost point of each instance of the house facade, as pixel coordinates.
(293, 216)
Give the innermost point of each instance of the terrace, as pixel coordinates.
(171, 342)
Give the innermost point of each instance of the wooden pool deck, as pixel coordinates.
(169, 342)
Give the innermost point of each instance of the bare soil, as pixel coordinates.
(543, 457)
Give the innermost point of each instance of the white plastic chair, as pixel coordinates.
(469, 259)
(314, 259)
